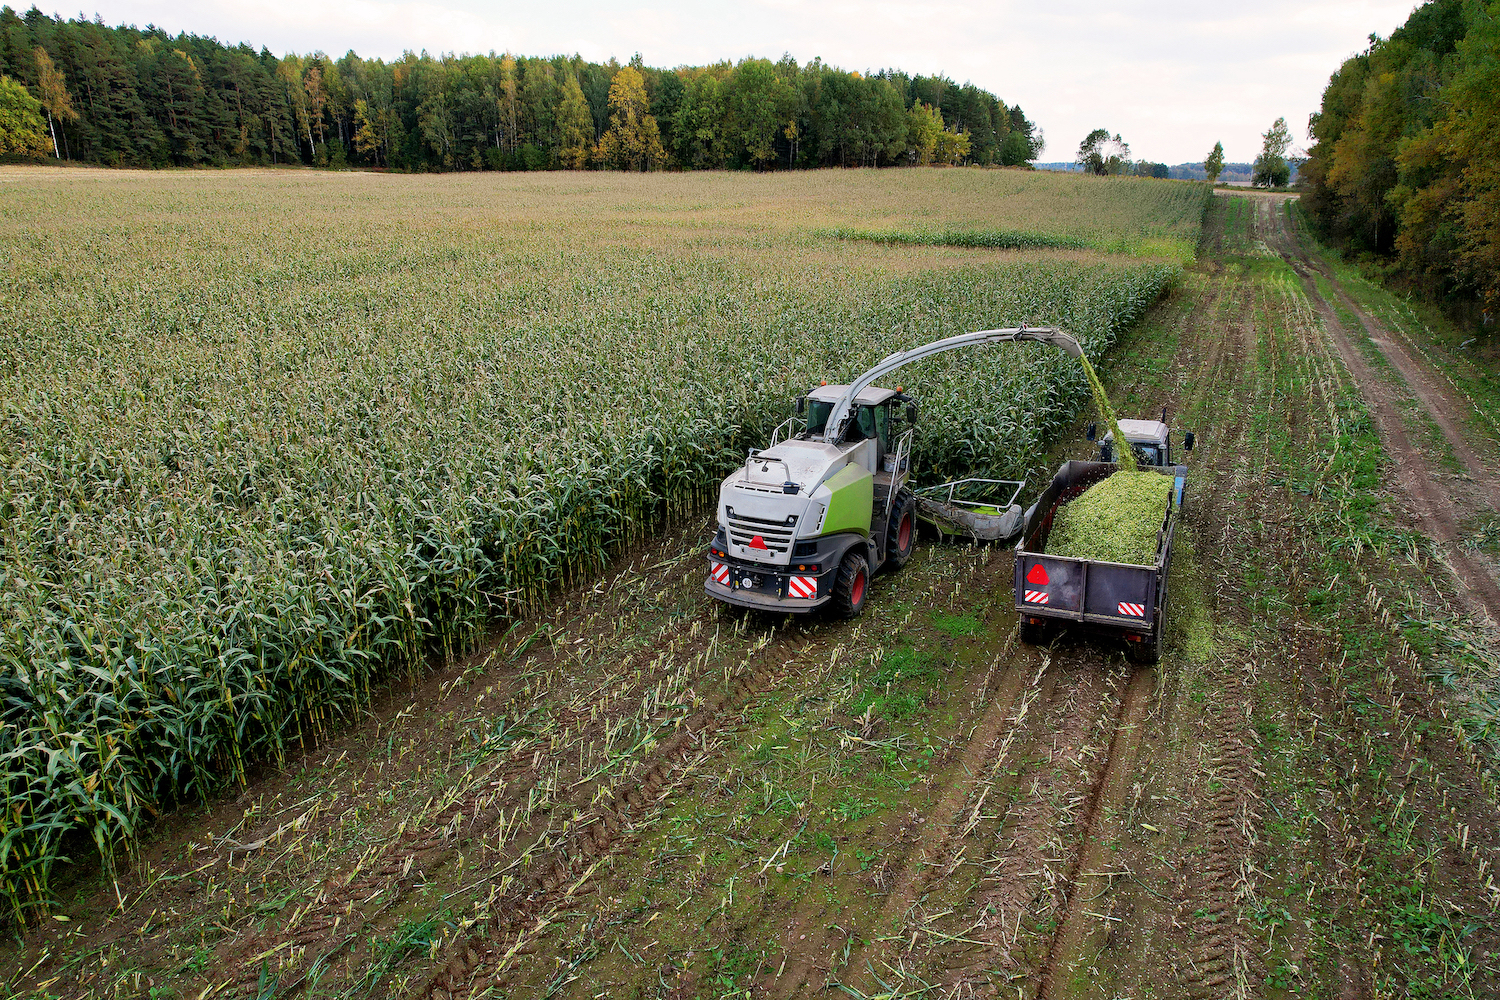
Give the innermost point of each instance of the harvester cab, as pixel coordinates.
(805, 522)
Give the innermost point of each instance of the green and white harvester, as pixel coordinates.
(805, 521)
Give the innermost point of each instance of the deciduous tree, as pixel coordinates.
(369, 133)
(575, 126)
(1271, 168)
(633, 141)
(1213, 166)
(22, 130)
(54, 92)
(1103, 154)
(924, 124)
(952, 146)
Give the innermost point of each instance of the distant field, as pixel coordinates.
(269, 436)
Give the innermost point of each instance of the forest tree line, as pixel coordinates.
(1404, 167)
(138, 97)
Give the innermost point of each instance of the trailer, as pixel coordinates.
(1113, 599)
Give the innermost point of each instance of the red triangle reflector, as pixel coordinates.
(757, 542)
(1038, 576)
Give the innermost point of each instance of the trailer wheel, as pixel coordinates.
(1035, 635)
(901, 536)
(852, 586)
(1147, 652)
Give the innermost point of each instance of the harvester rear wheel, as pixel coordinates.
(852, 586)
(901, 536)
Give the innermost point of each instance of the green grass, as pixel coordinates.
(955, 626)
(906, 680)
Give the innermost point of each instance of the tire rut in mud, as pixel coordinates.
(1033, 850)
(1429, 500)
(956, 813)
(1100, 818)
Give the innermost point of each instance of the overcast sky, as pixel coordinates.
(1171, 76)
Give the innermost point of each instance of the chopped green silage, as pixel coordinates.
(1125, 455)
(1115, 520)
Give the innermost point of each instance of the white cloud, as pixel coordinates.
(1171, 76)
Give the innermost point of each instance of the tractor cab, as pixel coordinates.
(1151, 441)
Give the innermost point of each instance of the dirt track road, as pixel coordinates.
(1437, 505)
(640, 794)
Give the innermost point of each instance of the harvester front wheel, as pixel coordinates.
(852, 586)
(901, 536)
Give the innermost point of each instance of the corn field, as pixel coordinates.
(268, 439)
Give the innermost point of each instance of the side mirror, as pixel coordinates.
(801, 405)
(1187, 442)
(1163, 414)
(911, 413)
(1091, 432)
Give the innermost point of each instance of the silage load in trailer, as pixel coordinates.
(1115, 520)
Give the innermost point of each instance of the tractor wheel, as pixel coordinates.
(851, 586)
(901, 536)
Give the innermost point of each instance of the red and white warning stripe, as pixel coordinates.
(719, 572)
(1134, 610)
(802, 586)
(1036, 597)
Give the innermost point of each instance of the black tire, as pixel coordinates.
(852, 587)
(1035, 635)
(901, 535)
(1146, 653)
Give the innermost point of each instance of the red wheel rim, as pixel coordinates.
(857, 592)
(903, 537)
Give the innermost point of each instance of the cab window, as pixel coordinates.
(883, 425)
(864, 424)
(817, 415)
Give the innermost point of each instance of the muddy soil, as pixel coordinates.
(638, 793)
